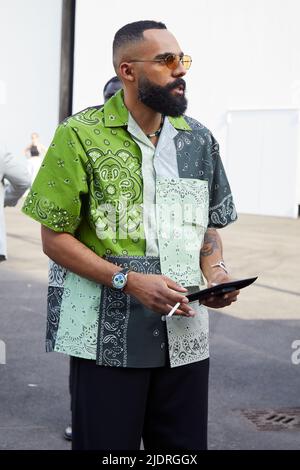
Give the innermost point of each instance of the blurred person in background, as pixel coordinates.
(111, 87)
(34, 153)
(14, 180)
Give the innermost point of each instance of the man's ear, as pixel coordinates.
(126, 72)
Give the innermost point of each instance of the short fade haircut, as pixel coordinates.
(133, 32)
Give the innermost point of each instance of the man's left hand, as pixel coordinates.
(220, 301)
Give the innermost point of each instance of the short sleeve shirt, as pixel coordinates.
(98, 182)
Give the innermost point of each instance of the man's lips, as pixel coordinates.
(179, 90)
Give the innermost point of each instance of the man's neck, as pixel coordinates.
(148, 120)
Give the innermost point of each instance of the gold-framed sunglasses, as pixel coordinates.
(170, 60)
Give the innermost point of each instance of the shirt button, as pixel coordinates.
(155, 332)
(163, 318)
(162, 345)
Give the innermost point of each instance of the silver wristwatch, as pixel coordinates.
(222, 265)
(119, 279)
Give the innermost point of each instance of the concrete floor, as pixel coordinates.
(251, 341)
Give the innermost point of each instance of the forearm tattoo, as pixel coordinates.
(211, 243)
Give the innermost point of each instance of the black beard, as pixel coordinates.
(160, 99)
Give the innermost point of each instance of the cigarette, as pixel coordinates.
(173, 309)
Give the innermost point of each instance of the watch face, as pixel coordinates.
(119, 280)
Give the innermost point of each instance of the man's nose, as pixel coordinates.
(180, 71)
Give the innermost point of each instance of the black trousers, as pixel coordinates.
(112, 407)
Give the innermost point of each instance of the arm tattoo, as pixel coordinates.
(211, 243)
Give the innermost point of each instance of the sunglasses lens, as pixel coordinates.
(172, 61)
(186, 61)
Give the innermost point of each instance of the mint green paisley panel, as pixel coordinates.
(182, 217)
(188, 337)
(79, 313)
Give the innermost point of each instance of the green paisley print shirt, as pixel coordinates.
(139, 206)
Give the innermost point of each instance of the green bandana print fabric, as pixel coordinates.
(91, 186)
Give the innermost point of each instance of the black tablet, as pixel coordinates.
(220, 289)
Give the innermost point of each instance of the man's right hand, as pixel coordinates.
(158, 293)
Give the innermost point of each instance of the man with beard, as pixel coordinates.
(130, 196)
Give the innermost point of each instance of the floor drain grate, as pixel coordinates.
(274, 420)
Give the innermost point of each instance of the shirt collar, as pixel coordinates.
(168, 133)
(116, 114)
(115, 111)
(135, 130)
(179, 123)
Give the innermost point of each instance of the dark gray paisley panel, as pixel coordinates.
(53, 311)
(129, 334)
(198, 157)
(56, 274)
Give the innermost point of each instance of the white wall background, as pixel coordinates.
(263, 168)
(246, 53)
(30, 33)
